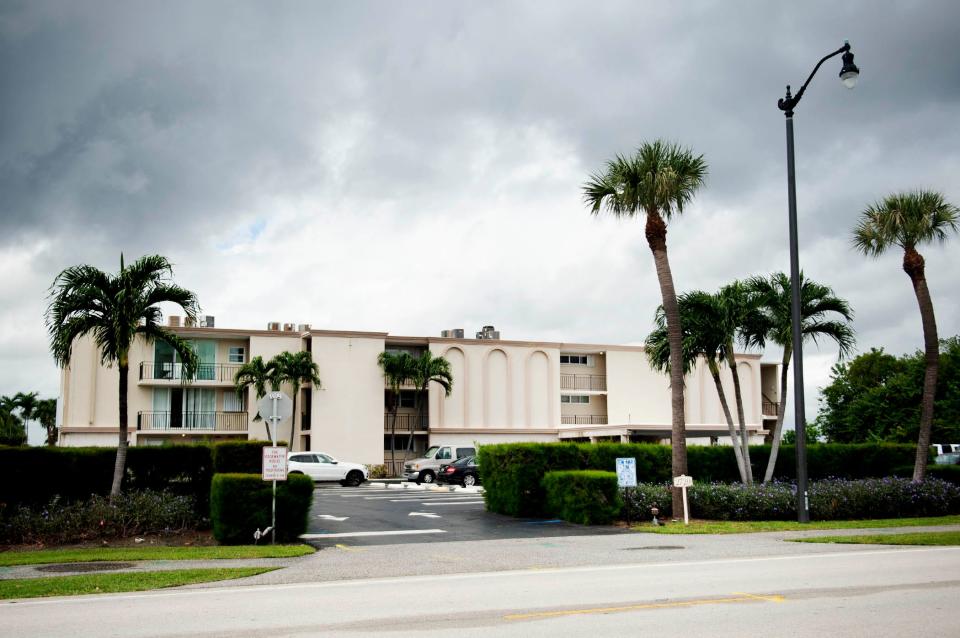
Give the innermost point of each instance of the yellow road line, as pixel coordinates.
(738, 598)
(347, 548)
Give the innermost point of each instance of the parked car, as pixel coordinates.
(425, 469)
(463, 472)
(323, 467)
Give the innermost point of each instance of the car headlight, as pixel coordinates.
(416, 466)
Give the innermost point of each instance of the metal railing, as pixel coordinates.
(168, 371)
(583, 419)
(592, 382)
(406, 422)
(192, 421)
(770, 408)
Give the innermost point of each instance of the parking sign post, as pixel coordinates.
(278, 406)
(683, 482)
(627, 478)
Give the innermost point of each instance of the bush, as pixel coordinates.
(831, 499)
(240, 504)
(949, 473)
(377, 471)
(588, 497)
(131, 513)
(513, 471)
(243, 457)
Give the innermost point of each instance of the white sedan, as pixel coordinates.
(323, 467)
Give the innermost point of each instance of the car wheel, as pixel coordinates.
(427, 476)
(469, 480)
(354, 478)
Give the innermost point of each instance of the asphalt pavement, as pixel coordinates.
(378, 514)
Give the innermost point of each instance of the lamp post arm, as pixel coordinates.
(788, 102)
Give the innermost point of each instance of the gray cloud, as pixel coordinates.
(319, 145)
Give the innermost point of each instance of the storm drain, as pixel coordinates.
(85, 567)
(656, 547)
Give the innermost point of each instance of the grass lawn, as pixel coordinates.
(44, 556)
(113, 583)
(742, 527)
(913, 538)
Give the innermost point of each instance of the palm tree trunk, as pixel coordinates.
(778, 428)
(738, 397)
(121, 462)
(393, 432)
(656, 233)
(737, 452)
(913, 264)
(416, 426)
(293, 417)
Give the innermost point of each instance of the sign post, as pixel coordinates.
(627, 478)
(683, 482)
(278, 407)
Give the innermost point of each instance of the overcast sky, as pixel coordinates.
(415, 166)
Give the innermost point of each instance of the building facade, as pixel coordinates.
(503, 391)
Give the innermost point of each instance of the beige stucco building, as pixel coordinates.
(503, 391)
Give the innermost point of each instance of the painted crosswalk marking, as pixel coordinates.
(424, 514)
(437, 503)
(394, 532)
(329, 517)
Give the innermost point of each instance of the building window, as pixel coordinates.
(575, 398)
(576, 359)
(407, 399)
(236, 354)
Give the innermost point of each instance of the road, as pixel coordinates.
(376, 516)
(861, 592)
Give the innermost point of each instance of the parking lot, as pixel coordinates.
(380, 515)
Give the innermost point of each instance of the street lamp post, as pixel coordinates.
(848, 75)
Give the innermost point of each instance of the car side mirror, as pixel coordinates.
(334, 461)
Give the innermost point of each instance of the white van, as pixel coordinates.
(425, 469)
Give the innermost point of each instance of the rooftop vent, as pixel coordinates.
(303, 327)
(208, 321)
(288, 327)
(273, 326)
(173, 321)
(488, 332)
(454, 333)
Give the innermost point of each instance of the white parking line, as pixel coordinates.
(453, 503)
(395, 532)
(397, 498)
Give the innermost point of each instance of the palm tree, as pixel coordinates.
(398, 369)
(115, 310)
(296, 368)
(12, 431)
(823, 315)
(27, 403)
(427, 368)
(46, 414)
(908, 220)
(256, 374)
(704, 335)
(658, 182)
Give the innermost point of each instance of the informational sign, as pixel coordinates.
(626, 472)
(274, 463)
(683, 481)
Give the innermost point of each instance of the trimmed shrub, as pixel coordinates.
(243, 457)
(240, 504)
(131, 513)
(831, 499)
(513, 471)
(949, 473)
(588, 497)
(181, 469)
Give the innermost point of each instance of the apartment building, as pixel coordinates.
(503, 390)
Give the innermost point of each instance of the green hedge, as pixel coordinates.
(244, 457)
(241, 503)
(588, 497)
(950, 473)
(512, 472)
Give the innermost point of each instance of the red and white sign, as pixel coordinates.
(274, 463)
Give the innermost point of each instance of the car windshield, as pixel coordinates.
(429, 454)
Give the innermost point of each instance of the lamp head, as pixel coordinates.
(849, 73)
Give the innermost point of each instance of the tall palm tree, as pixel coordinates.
(398, 369)
(115, 310)
(704, 336)
(296, 368)
(908, 220)
(427, 368)
(12, 430)
(27, 402)
(46, 414)
(657, 182)
(256, 374)
(823, 315)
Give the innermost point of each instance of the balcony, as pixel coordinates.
(219, 373)
(584, 382)
(192, 421)
(583, 419)
(406, 423)
(769, 408)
